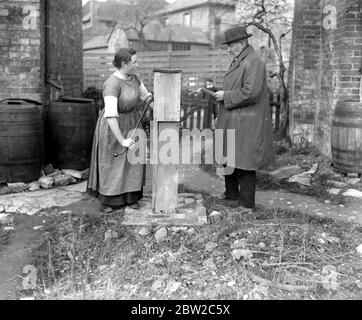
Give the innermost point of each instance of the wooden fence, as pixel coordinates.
(196, 113)
(196, 67)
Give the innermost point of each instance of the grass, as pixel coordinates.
(76, 262)
(304, 156)
(4, 237)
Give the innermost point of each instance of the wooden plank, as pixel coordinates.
(165, 178)
(167, 95)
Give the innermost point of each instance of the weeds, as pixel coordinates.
(288, 258)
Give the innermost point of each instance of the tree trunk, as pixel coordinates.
(283, 132)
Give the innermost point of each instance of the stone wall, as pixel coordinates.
(325, 62)
(22, 48)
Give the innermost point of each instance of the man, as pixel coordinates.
(244, 107)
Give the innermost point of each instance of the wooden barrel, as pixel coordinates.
(21, 140)
(70, 128)
(347, 137)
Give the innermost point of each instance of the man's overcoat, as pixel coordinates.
(246, 109)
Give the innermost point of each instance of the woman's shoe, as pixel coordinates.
(134, 206)
(105, 209)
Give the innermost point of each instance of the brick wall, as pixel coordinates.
(22, 47)
(325, 62)
(20, 56)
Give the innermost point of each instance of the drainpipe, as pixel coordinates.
(48, 81)
(360, 69)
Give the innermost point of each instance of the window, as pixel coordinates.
(187, 20)
(181, 47)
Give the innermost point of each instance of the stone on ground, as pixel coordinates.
(34, 186)
(12, 209)
(354, 181)
(77, 174)
(286, 172)
(48, 169)
(63, 180)
(334, 191)
(46, 182)
(215, 216)
(56, 173)
(359, 249)
(211, 246)
(189, 201)
(161, 235)
(210, 264)
(353, 193)
(5, 219)
(18, 187)
(145, 231)
(337, 184)
(237, 254)
(110, 234)
(4, 190)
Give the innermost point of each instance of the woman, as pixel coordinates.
(113, 180)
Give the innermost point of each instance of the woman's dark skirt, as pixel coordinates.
(117, 201)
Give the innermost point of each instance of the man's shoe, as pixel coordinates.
(225, 197)
(245, 210)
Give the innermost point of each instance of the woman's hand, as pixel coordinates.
(128, 143)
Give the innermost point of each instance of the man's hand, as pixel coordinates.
(219, 96)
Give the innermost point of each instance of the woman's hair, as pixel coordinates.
(123, 55)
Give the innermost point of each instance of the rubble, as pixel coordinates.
(63, 180)
(18, 187)
(237, 254)
(354, 181)
(110, 234)
(48, 169)
(305, 178)
(4, 189)
(286, 172)
(46, 182)
(334, 191)
(353, 193)
(161, 235)
(77, 174)
(337, 184)
(145, 231)
(34, 186)
(5, 219)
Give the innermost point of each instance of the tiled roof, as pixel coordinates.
(153, 32)
(185, 4)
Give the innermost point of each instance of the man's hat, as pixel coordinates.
(234, 34)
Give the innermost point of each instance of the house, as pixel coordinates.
(159, 38)
(102, 33)
(211, 16)
(41, 46)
